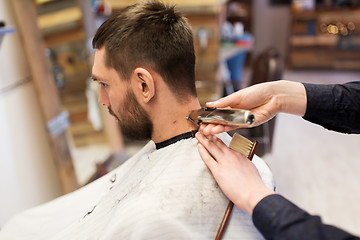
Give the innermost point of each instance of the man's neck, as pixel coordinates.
(171, 121)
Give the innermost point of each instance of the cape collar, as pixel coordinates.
(175, 139)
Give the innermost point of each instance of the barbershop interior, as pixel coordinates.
(55, 138)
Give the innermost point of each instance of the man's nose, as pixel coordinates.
(104, 98)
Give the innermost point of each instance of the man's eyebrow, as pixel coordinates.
(93, 77)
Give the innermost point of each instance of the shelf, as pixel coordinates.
(317, 42)
(55, 22)
(314, 41)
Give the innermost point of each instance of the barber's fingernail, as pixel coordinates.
(210, 103)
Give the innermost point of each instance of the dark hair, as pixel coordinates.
(150, 34)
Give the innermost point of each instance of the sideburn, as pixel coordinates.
(134, 121)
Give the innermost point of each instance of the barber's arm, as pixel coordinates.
(265, 100)
(335, 107)
(274, 216)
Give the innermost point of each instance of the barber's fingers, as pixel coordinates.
(207, 158)
(210, 128)
(246, 98)
(216, 149)
(228, 101)
(211, 143)
(208, 147)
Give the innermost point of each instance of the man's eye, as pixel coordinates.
(103, 84)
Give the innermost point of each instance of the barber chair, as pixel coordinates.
(267, 66)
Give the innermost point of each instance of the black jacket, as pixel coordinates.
(335, 107)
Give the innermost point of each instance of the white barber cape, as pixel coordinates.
(157, 194)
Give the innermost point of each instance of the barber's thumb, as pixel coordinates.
(218, 103)
(211, 104)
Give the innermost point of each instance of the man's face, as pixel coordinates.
(116, 94)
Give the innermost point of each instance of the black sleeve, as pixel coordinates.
(277, 218)
(335, 107)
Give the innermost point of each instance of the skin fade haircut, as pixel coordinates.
(151, 34)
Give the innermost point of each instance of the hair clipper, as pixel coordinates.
(234, 117)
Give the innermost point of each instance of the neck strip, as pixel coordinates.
(175, 139)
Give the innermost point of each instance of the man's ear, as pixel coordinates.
(143, 84)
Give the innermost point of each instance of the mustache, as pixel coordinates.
(112, 113)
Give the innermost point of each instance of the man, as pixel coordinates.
(144, 62)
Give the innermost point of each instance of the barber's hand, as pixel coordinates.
(236, 175)
(265, 100)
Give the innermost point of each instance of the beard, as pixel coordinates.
(134, 121)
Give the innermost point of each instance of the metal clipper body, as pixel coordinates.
(235, 117)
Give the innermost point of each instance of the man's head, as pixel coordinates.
(148, 36)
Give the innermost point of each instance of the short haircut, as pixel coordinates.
(151, 34)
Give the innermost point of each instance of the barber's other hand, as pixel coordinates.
(236, 175)
(265, 100)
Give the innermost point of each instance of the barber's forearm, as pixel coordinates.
(335, 107)
(291, 97)
(277, 218)
(255, 197)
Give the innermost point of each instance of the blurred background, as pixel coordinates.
(54, 138)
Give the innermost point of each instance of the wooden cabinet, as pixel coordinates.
(325, 39)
